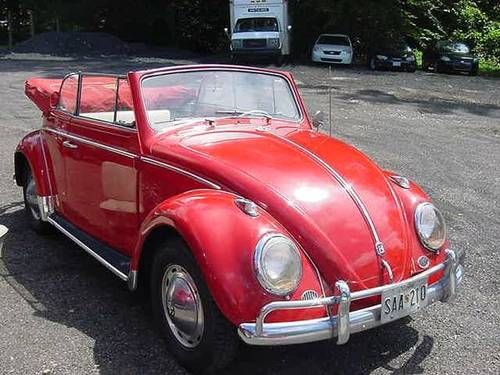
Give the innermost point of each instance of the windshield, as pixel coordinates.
(453, 47)
(175, 98)
(335, 40)
(256, 24)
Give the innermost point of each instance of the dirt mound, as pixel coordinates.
(73, 43)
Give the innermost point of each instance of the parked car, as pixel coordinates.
(395, 55)
(210, 187)
(449, 56)
(333, 49)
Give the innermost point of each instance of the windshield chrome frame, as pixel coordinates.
(189, 69)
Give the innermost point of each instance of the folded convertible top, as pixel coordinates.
(39, 91)
(99, 94)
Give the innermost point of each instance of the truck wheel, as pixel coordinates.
(197, 334)
(31, 208)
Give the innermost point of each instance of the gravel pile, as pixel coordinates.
(73, 43)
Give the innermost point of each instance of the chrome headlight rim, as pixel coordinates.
(258, 255)
(418, 214)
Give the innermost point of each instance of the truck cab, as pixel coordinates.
(259, 28)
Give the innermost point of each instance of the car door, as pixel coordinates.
(100, 163)
(55, 126)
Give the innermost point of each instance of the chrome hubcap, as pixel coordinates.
(182, 306)
(32, 199)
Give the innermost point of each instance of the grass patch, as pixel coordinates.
(489, 68)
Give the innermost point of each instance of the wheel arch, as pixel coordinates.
(31, 153)
(21, 165)
(222, 240)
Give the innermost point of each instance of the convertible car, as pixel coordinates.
(212, 189)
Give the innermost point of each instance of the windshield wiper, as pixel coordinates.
(239, 113)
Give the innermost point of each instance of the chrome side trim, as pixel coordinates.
(46, 206)
(181, 171)
(379, 246)
(109, 266)
(3, 233)
(92, 143)
(345, 322)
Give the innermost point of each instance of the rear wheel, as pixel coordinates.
(196, 333)
(31, 207)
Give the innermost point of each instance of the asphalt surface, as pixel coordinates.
(63, 313)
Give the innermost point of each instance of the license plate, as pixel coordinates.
(403, 300)
(396, 63)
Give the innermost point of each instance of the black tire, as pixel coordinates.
(474, 72)
(31, 209)
(218, 343)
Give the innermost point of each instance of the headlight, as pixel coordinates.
(273, 42)
(237, 43)
(445, 58)
(278, 264)
(410, 58)
(430, 226)
(381, 57)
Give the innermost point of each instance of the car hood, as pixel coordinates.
(334, 47)
(292, 176)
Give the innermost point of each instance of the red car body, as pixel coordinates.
(351, 220)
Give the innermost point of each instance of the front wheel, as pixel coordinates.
(197, 334)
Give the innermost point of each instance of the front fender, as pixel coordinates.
(32, 149)
(222, 239)
(410, 199)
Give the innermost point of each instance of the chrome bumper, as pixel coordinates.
(346, 322)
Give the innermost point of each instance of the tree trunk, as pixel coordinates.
(9, 28)
(32, 22)
(58, 25)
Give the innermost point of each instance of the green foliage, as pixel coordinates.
(198, 24)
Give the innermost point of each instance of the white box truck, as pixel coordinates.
(259, 27)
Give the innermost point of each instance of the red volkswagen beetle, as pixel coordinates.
(209, 187)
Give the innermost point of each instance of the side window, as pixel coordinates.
(69, 93)
(124, 105)
(97, 98)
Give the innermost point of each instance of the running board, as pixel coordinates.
(117, 263)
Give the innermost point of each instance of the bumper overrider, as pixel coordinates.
(346, 322)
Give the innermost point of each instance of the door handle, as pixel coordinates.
(70, 145)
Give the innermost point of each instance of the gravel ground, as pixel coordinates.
(63, 313)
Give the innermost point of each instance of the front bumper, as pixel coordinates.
(256, 51)
(391, 64)
(346, 322)
(320, 57)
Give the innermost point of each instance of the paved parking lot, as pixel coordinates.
(63, 313)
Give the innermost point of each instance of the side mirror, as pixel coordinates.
(54, 100)
(318, 119)
(289, 28)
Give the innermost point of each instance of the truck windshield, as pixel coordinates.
(256, 24)
(175, 98)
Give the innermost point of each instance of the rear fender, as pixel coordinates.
(32, 150)
(222, 239)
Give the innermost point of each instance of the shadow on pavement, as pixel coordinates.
(64, 285)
